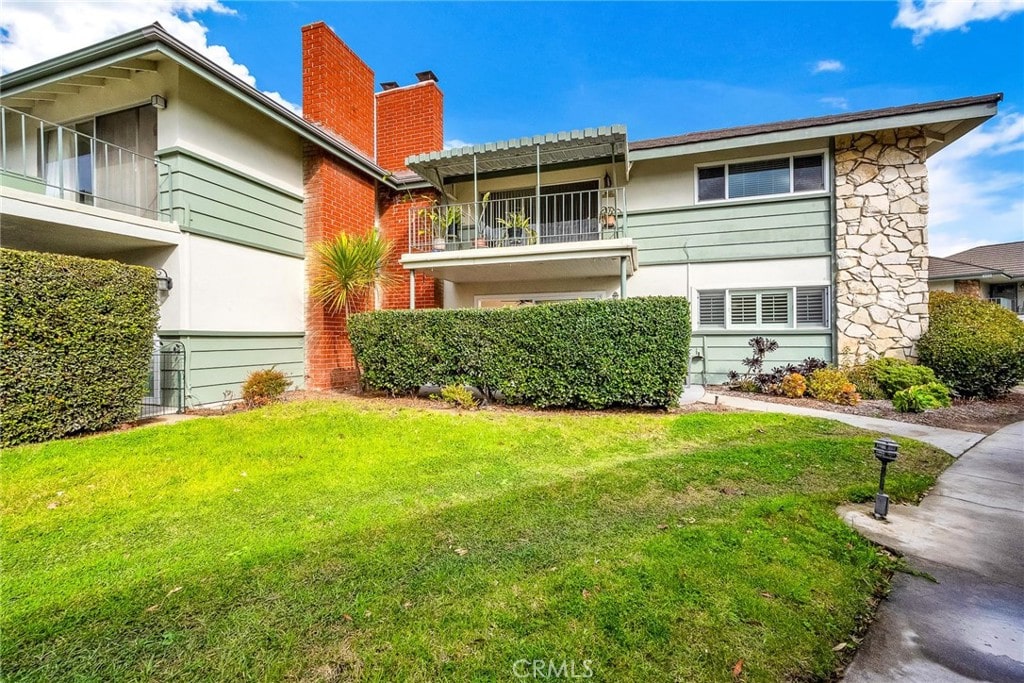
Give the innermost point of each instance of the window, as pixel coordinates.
(788, 308)
(711, 309)
(761, 178)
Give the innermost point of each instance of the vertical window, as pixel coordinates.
(808, 173)
(712, 309)
(775, 308)
(811, 307)
(744, 309)
(711, 183)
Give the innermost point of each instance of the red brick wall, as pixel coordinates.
(394, 225)
(338, 199)
(338, 94)
(410, 120)
(337, 87)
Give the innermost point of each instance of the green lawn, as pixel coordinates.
(342, 540)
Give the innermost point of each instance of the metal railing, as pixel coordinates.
(166, 384)
(519, 221)
(58, 161)
(1004, 302)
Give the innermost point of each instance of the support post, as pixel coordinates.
(412, 290)
(536, 215)
(622, 277)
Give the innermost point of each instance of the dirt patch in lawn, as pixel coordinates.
(969, 415)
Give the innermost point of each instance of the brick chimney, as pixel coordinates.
(337, 87)
(410, 120)
(338, 94)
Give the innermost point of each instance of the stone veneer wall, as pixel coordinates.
(881, 185)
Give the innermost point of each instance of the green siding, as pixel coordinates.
(217, 362)
(724, 351)
(730, 232)
(20, 182)
(214, 201)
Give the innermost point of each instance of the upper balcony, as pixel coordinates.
(58, 181)
(538, 209)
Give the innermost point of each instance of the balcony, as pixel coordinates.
(59, 181)
(527, 236)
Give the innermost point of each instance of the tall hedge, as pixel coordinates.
(975, 347)
(591, 354)
(77, 339)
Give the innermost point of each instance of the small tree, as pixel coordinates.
(350, 265)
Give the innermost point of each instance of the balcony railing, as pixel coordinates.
(519, 221)
(1008, 304)
(58, 161)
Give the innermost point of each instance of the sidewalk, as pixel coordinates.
(950, 440)
(968, 534)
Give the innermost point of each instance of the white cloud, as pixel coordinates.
(836, 102)
(925, 17)
(828, 66)
(973, 203)
(455, 143)
(69, 26)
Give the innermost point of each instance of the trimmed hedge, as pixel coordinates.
(591, 354)
(975, 347)
(77, 339)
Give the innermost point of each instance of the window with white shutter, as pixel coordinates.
(748, 309)
(712, 309)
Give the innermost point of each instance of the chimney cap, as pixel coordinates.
(425, 76)
(389, 85)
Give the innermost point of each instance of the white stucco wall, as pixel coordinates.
(463, 295)
(685, 280)
(235, 288)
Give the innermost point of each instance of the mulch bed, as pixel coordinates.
(969, 415)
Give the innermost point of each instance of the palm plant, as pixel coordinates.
(349, 265)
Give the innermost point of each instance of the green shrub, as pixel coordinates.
(863, 378)
(263, 387)
(975, 347)
(917, 399)
(589, 354)
(832, 385)
(896, 374)
(793, 385)
(458, 396)
(77, 343)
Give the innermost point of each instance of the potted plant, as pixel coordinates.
(444, 223)
(517, 228)
(609, 218)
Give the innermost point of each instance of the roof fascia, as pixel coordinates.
(978, 112)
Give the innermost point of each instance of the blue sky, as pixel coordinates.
(520, 69)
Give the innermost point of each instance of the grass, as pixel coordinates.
(341, 540)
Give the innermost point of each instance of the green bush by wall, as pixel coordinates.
(77, 339)
(591, 354)
(975, 347)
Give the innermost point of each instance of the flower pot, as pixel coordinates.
(439, 244)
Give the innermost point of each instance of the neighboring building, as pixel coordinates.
(994, 272)
(810, 231)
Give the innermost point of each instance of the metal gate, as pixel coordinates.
(165, 390)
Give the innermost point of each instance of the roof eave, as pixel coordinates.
(155, 38)
(971, 116)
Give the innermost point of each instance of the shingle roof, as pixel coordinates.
(990, 259)
(793, 124)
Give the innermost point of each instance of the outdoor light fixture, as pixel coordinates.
(164, 283)
(158, 101)
(886, 451)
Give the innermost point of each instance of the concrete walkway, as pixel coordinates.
(968, 534)
(950, 440)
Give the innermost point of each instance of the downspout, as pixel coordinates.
(833, 265)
